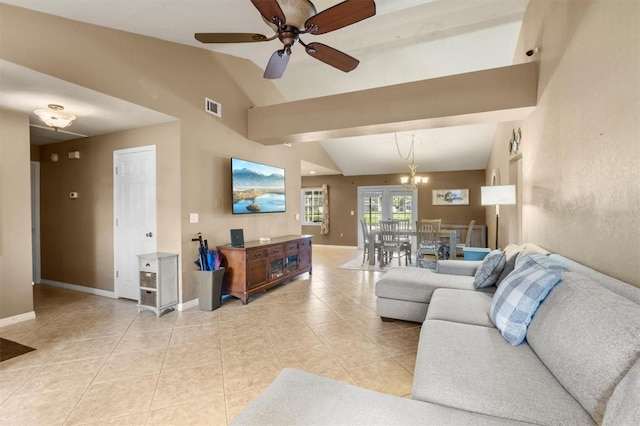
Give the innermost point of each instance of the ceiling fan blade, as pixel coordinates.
(346, 13)
(232, 37)
(331, 56)
(277, 64)
(269, 9)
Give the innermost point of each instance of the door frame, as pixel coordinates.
(116, 193)
(386, 192)
(35, 225)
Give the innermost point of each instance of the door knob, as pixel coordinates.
(149, 234)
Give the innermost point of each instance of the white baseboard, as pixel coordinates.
(81, 288)
(188, 305)
(335, 246)
(17, 318)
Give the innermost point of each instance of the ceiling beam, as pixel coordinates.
(488, 96)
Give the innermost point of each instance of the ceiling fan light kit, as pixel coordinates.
(55, 117)
(291, 18)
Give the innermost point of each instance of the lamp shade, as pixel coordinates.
(497, 195)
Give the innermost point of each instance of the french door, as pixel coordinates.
(376, 203)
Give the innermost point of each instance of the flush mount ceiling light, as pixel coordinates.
(55, 116)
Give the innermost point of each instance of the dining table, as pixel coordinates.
(446, 233)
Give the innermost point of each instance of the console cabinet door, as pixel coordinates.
(304, 253)
(256, 268)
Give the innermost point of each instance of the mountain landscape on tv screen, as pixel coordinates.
(256, 192)
(247, 178)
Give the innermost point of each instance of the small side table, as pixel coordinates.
(158, 282)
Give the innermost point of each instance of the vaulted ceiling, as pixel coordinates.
(407, 40)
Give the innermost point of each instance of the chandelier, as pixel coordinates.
(55, 117)
(412, 181)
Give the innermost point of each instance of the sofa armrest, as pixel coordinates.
(458, 267)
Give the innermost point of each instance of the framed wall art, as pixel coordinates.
(450, 197)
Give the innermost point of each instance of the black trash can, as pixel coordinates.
(209, 285)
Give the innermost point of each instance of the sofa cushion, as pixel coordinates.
(511, 249)
(490, 269)
(417, 284)
(301, 398)
(519, 296)
(463, 306)
(458, 267)
(588, 337)
(619, 287)
(473, 368)
(405, 310)
(623, 407)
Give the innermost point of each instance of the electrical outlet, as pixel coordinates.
(194, 218)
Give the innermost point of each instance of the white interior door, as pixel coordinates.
(134, 214)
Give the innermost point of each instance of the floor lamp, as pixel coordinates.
(499, 195)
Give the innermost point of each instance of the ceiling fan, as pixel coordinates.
(292, 18)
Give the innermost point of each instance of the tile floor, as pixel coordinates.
(99, 361)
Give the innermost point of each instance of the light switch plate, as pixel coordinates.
(194, 218)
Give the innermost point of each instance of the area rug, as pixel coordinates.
(356, 264)
(9, 349)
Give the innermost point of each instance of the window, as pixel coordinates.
(312, 206)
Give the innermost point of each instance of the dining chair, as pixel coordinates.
(390, 243)
(404, 227)
(467, 242)
(366, 235)
(428, 243)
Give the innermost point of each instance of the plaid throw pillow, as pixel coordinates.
(518, 297)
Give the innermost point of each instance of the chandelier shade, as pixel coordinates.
(54, 116)
(412, 181)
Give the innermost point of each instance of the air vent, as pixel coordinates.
(213, 107)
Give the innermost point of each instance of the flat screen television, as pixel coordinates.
(257, 188)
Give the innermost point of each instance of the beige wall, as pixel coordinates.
(15, 216)
(77, 234)
(581, 145)
(343, 198)
(173, 79)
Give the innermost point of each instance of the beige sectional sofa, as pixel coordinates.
(577, 366)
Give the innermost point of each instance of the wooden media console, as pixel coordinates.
(258, 266)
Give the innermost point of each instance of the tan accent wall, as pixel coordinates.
(343, 198)
(581, 146)
(15, 215)
(77, 234)
(173, 79)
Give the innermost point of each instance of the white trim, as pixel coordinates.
(81, 288)
(17, 318)
(335, 246)
(35, 207)
(302, 201)
(188, 305)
